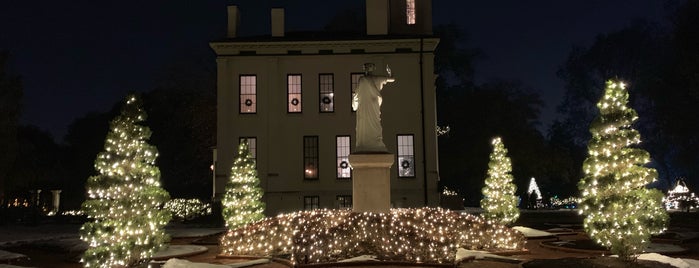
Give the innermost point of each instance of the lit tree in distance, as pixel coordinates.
(680, 197)
(620, 212)
(125, 199)
(499, 202)
(534, 194)
(242, 202)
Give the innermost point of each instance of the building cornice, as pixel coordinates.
(230, 48)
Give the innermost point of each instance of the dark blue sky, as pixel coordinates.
(84, 55)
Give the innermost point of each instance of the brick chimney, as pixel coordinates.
(278, 22)
(233, 21)
(376, 17)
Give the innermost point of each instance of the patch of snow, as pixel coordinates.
(676, 262)
(462, 254)
(532, 233)
(360, 258)
(179, 250)
(178, 263)
(12, 266)
(6, 256)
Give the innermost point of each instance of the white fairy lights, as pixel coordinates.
(620, 212)
(187, 209)
(499, 202)
(427, 235)
(125, 199)
(242, 201)
(680, 197)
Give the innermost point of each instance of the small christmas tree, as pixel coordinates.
(125, 199)
(499, 202)
(242, 202)
(620, 212)
(680, 198)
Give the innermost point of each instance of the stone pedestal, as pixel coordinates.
(371, 182)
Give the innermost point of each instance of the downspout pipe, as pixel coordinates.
(422, 113)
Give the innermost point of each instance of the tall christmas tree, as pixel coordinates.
(242, 202)
(499, 202)
(125, 199)
(620, 212)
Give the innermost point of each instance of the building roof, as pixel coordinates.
(317, 36)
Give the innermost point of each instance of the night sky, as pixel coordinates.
(82, 55)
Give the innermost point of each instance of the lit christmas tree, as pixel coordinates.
(680, 198)
(242, 202)
(499, 202)
(534, 194)
(620, 212)
(125, 199)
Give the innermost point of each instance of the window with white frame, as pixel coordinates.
(311, 202)
(248, 94)
(406, 156)
(410, 11)
(354, 80)
(293, 86)
(310, 157)
(342, 147)
(344, 201)
(326, 85)
(252, 145)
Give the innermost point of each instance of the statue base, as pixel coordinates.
(371, 182)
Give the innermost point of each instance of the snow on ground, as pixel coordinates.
(462, 254)
(177, 263)
(12, 266)
(361, 258)
(676, 262)
(6, 256)
(179, 251)
(532, 233)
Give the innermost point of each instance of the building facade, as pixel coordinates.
(290, 97)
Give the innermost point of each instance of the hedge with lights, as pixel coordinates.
(125, 199)
(499, 202)
(242, 201)
(620, 212)
(425, 235)
(187, 209)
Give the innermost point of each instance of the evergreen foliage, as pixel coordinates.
(125, 200)
(620, 212)
(242, 201)
(499, 202)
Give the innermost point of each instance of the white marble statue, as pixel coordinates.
(367, 101)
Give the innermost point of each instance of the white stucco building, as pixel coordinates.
(290, 96)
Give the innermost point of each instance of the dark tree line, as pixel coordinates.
(660, 64)
(10, 105)
(182, 116)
